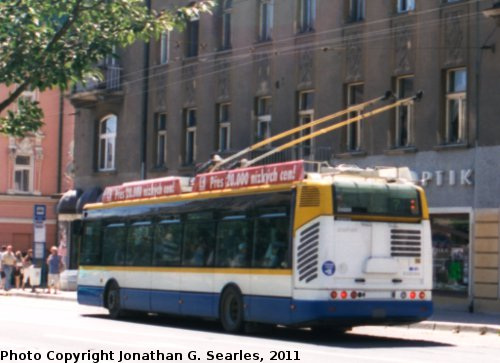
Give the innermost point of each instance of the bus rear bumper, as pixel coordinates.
(352, 313)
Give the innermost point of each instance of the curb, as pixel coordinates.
(456, 328)
(38, 295)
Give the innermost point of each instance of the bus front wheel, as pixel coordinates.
(113, 300)
(231, 310)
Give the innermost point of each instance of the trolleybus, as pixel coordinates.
(273, 244)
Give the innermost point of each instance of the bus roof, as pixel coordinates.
(264, 178)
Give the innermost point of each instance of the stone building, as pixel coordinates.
(258, 67)
(35, 171)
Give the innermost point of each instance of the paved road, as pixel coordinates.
(62, 331)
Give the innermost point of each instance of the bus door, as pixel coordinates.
(137, 289)
(197, 276)
(165, 279)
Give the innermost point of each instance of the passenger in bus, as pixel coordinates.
(198, 254)
(274, 255)
(241, 257)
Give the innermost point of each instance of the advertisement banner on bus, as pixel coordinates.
(248, 177)
(142, 189)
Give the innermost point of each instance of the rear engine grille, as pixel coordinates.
(406, 243)
(309, 197)
(308, 253)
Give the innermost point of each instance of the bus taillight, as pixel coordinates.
(354, 294)
(333, 294)
(343, 295)
(421, 295)
(413, 295)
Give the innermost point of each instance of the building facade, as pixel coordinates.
(256, 68)
(35, 171)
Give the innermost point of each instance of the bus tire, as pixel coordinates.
(113, 300)
(231, 310)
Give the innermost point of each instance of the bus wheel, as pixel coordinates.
(231, 310)
(113, 301)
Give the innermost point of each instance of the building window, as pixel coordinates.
(356, 10)
(266, 8)
(451, 247)
(23, 171)
(306, 15)
(354, 96)
(107, 143)
(192, 37)
(404, 113)
(190, 136)
(165, 47)
(404, 6)
(263, 112)
(456, 98)
(224, 126)
(161, 139)
(306, 115)
(226, 24)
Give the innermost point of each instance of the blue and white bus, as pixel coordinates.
(271, 244)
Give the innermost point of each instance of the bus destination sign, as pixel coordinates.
(142, 189)
(250, 177)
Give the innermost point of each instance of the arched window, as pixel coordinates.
(107, 142)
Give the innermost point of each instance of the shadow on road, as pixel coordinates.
(304, 336)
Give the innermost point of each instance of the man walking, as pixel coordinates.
(8, 264)
(55, 264)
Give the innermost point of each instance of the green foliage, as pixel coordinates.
(56, 43)
(26, 119)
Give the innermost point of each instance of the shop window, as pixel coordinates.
(451, 248)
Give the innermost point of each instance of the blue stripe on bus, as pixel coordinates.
(266, 309)
(90, 295)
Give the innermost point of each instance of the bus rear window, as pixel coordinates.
(357, 198)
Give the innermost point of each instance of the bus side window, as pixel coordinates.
(167, 246)
(271, 243)
(139, 244)
(233, 243)
(113, 244)
(199, 243)
(91, 244)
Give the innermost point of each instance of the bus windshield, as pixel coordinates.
(378, 199)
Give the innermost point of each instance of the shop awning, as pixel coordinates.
(68, 201)
(90, 195)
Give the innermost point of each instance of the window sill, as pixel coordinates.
(159, 168)
(22, 192)
(455, 146)
(351, 154)
(106, 172)
(401, 150)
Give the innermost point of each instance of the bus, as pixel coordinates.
(334, 248)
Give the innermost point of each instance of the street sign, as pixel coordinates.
(39, 212)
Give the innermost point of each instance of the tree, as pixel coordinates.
(57, 43)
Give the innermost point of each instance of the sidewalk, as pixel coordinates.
(456, 321)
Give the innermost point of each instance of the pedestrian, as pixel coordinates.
(8, 266)
(27, 262)
(55, 264)
(18, 269)
(2, 274)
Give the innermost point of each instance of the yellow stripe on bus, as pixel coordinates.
(204, 270)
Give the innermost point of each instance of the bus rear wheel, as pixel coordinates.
(113, 301)
(231, 310)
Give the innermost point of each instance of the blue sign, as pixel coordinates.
(328, 268)
(39, 212)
